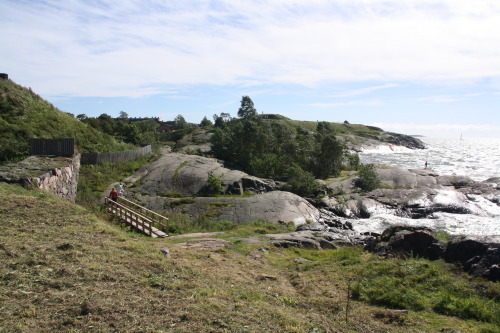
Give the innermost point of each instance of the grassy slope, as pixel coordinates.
(64, 269)
(25, 115)
(339, 128)
(343, 129)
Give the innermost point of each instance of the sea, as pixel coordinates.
(477, 158)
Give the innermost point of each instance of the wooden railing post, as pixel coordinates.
(137, 217)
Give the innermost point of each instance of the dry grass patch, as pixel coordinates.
(66, 270)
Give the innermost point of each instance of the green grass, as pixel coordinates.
(95, 179)
(64, 269)
(343, 129)
(26, 115)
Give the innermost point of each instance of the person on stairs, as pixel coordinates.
(121, 190)
(113, 194)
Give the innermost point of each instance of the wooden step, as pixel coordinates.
(139, 222)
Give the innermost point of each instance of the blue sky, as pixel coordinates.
(428, 67)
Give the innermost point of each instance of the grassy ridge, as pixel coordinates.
(64, 269)
(339, 128)
(26, 115)
(343, 129)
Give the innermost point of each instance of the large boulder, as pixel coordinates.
(273, 206)
(197, 142)
(413, 194)
(479, 255)
(188, 175)
(404, 241)
(397, 177)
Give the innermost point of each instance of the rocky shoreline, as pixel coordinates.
(407, 193)
(325, 223)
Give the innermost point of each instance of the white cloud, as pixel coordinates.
(362, 91)
(438, 99)
(116, 48)
(448, 98)
(350, 103)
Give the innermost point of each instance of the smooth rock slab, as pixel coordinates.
(273, 207)
(204, 244)
(188, 175)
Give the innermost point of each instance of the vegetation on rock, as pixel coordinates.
(368, 180)
(274, 148)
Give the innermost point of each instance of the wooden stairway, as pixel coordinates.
(138, 217)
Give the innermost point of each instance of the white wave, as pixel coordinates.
(454, 224)
(476, 158)
(385, 149)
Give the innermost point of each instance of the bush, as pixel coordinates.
(214, 184)
(352, 161)
(368, 180)
(301, 182)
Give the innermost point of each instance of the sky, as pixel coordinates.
(427, 67)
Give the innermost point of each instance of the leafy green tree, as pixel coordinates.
(106, 124)
(81, 117)
(247, 108)
(267, 148)
(220, 120)
(329, 157)
(180, 122)
(324, 128)
(205, 122)
(146, 130)
(123, 115)
(130, 133)
(301, 182)
(352, 161)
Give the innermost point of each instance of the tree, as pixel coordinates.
(81, 117)
(205, 122)
(123, 115)
(130, 133)
(329, 157)
(324, 128)
(301, 182)
(246, 109)
(367, 178)
(219, 121)
(106, 124)
(180, 122)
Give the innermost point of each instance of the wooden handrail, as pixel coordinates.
(144, 211)
(130, 216)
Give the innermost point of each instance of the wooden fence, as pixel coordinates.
(57, 147)
(96, 158)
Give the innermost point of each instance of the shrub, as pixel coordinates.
(301, 182)
(352, 161)
(214, 184)
(368, 180)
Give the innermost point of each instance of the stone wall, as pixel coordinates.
(62, 181)
(57, 175)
